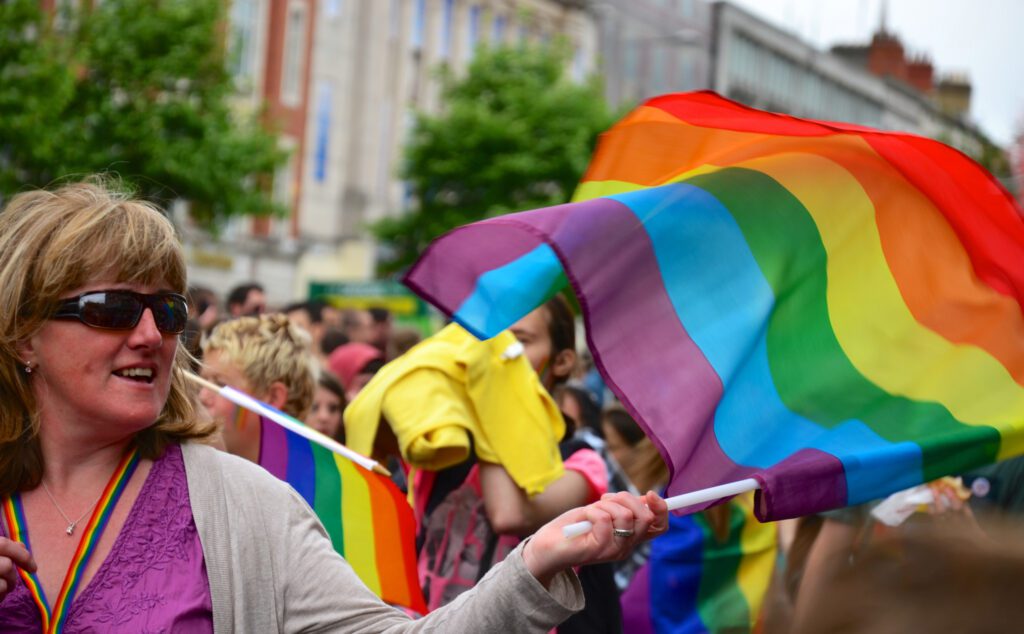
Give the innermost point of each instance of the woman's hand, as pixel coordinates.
(13, 555)
(550, 552)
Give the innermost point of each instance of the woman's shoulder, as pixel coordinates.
(211, 469)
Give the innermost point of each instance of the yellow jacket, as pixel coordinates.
(451, 388)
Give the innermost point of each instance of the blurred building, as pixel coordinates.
(341, 80)
(652, 47)
(875, 84)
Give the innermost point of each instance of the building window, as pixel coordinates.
(323, 131)
(284, 185)
(447, 19)
(498, 32)
(578, 65)
(474, 29)
(332, 8)
(419, 20)
(243, 40)
(292, 66)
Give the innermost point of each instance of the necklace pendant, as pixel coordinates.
(71, 530)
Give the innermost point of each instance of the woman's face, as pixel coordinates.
(326, 414)
(115, 382)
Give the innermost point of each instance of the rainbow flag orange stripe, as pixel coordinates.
(53, 620)
(835, 311)
(368, 519)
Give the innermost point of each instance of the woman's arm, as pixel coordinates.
(511, 511)
(532, 590)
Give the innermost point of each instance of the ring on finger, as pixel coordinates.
(622, 532)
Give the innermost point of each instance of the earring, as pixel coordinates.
(28, 368)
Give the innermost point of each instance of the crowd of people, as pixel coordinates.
(499, 444)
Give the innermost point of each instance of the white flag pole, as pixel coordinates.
(680, 501)
(244, 400)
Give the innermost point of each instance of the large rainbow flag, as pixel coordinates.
(697, 582)
(832, 310)
(368, 518)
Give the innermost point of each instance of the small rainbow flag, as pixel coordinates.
(368, 519)
(835, 311)
(695, 581)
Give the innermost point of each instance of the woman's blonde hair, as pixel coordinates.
(52, 242)
(267, 349)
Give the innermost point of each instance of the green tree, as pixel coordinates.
(134, 87)
(515, 133)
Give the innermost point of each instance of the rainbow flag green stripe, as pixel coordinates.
(14, 515)
(53, 620)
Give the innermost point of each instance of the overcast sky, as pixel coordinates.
(983, 38)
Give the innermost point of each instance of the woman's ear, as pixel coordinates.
(277, 395)
(26, 353)
(563, 365)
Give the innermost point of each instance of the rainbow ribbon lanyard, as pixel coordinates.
(14, 514)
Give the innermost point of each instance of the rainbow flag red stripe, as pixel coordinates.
(835, 311)
(368, 519)
(53, 620)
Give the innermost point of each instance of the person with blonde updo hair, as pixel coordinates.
(267, 357)
(114, 517)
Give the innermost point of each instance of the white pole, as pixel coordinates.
(680, 501)
(244, 400)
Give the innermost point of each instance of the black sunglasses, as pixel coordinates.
(122, 310)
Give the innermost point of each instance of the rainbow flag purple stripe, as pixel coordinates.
(832, 310)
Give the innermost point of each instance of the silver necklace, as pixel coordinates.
(70, 530)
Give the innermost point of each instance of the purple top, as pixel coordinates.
(153, 579)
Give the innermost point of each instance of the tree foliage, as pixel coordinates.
(515, 133)
(134, 87)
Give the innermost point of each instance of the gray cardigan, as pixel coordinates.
(272, 568)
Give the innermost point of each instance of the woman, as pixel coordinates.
(328, 404)
(99, 439)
